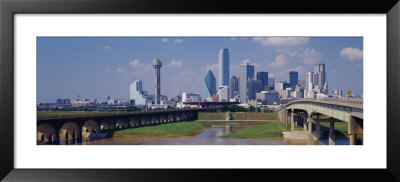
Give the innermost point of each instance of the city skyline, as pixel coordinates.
(99, 67)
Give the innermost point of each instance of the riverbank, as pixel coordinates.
(269, 130)
(167, 130)
(237, 116)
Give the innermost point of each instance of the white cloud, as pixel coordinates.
(351, 54)
(280, 61)
(119, 70)
(107, 70)
(107, 47)
(310, 56)
(164, 40)
(281, 41)
(135, 63)
(178, 41)
(175, 63)
(212, 67)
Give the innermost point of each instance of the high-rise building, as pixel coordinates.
(210, 84)
(311, 82)
(271, 80)
(253, 86)
(234, 87)
(263, 76)
(246, 73)
(319, 69)
(293, 78)
(136, 93)
(223, 94)
(157, 66)
(281, 85)
(223, 68)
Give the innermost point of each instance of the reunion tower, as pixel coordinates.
(157, 66)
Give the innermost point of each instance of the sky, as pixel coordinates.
(96, 67)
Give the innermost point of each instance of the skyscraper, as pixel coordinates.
(246, 73)
(234, 87)
(319, 69)
(311, 81)
(157, 66)
(136, 93)
(271, 80)
(293, 78)
(253, 86)
(263, 76)
(223, 94)
(211, 84)
(223, 68)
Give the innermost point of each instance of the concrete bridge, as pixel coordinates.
(315, 111)
(73, 128)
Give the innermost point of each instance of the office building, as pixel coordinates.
(210, 84)
(263, 76)
(271, 80)
(136, 93)
(223, 68)
(268, 97)
(223, 94)
(246, 73)
(319, 70)
(234, 87)
(253, 86)
(293, 78)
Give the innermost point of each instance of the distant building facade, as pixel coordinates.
(234, 87)
(136, 93)
(263, 76)
(210, 84)
(223, 68)
(293, 78)
(246, 73)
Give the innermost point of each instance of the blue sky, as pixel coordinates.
(95, 67)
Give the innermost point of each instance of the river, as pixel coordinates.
(208, 136)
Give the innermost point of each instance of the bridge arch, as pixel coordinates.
(108, 124)
(90, 126)
(46, 134)
(70, 132)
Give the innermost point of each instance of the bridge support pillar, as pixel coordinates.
(310, 132)
(292, 121)
(286, 119)
(296, 119)
(304, 122)
(317, 128)
(332, 132)
(353, 139)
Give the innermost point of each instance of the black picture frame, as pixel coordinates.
(8, 8)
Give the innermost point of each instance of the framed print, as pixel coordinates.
(154, 90)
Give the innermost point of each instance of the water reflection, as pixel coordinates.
(209, 136)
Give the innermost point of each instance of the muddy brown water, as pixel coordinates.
(208, 136)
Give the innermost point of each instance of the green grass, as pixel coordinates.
(267, 130)
(237, 116)
(211, 116)
(181, 128)
(341, 129)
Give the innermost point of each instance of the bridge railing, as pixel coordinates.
(343, 100)
(89, 115)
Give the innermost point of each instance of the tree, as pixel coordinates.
(132, 108)
(251, 109)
